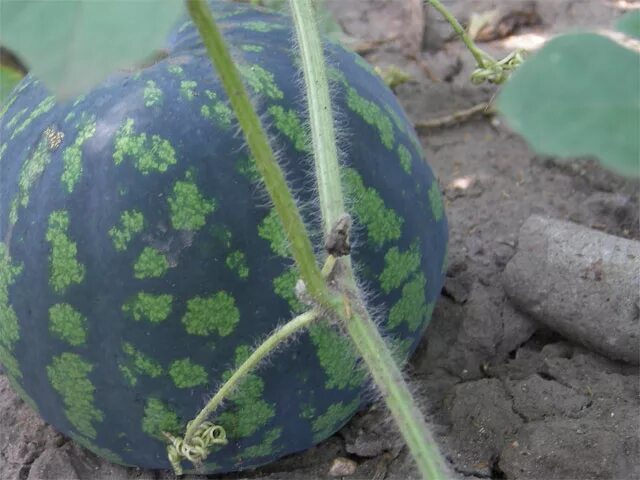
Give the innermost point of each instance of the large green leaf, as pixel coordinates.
(579, 96)
(629, 24)
(73, 44)
(9, 77)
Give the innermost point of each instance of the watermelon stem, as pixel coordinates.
(261, 151)
(279, 336)
(483, 59)
(488, 69)
(321, 119)
(358, 323)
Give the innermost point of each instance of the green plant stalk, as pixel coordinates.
(261, 150)
(279, 336)
(361, 328)
(396, 394)
(323, 134)
(482, 58)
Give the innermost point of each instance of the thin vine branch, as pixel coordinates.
(278, 337)
(362, 330)
(488, 69)
(388, 377)
(320, 115)
(261, 150)
(483, 59)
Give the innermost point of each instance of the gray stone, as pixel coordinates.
(582, 283)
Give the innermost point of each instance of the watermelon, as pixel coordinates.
(141, 261)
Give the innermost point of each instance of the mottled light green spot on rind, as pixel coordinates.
(16, 118)
(159, 418)
(265, 447)
(206, 315)
(149, 155)
(150, 264)
(147, 306)
(72, 156)
(187, 89)
(399, 266)
(69, 376)
(249, 412)
(336, 416)
(131, 223)
(405, 158)
(435, 200)
(308, 411)
(246, 166)
(261, 81)
(68, 324)
(9, 327)
(175, 69)
(400, 124)
(31, 171)
(260, 26)
(3, 149)
(152, 94)
(284, 287)
(237, 262)
(63, 266)
(221, 235)
(217, 110)
(186, 374)
(7, 104)
(337, 357)
(138, 363)
(412, 307)
(43, 107)
(101, 452)
(187, 207)
(382, 223)
(271, 230)
(288, 122)
(369, 111)
(252, 48)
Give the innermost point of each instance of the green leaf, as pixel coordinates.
(9, 77)
(629, 24)
(72, 45)
(579, 96)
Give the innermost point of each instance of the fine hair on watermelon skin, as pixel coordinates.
(140, 261)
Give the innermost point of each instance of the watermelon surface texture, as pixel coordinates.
(140, 259)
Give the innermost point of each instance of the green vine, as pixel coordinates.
(344, 305)
(488, 69)
(261, 150)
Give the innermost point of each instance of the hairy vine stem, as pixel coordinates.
(278, 337)
(488, 69)
(323, 134)
(362, 330)
(261, 150)
(483, 59)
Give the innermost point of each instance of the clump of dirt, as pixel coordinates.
(507, 399)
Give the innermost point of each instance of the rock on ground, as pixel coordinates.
(580, 282)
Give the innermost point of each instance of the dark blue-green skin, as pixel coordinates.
(295, 381)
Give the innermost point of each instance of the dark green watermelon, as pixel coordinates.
(140, 259)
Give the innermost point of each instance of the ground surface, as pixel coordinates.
(506, 398)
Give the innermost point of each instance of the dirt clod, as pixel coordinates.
(342, 467)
